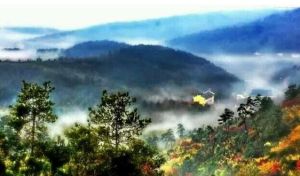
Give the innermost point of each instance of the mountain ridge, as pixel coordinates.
(154, 29)
(265, 35)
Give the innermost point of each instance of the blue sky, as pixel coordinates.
(70, 14)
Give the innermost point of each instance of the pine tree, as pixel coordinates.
(180, 130)
(226, 117)
(117, 119)
(247, 110)
(29, 117)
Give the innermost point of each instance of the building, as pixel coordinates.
(209, 97)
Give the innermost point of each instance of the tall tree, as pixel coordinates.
(226, 117)
(32, 111)
(211, 134)
(29, 117)
(168, 137)
(180, 130)
(118, 118)
(247, 110)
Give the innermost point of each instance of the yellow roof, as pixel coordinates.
(199, 99)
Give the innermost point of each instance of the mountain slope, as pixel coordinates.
(143, 70)
(155, 30)
(93, 49)
(291, 75)
(275, 33)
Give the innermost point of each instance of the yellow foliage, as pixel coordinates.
(169, 168)
(199, 100)
(292, 140)
(249, 169)
(183, 150)
(293, 157)
(291, 113)
(293, 173)
(269, 167)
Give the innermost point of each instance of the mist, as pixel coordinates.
(255, 70)
(66, 119)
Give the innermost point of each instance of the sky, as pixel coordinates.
(72, 14)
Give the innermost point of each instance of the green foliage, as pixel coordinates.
(247, 111)
(25, 130)
(292, 91)
(180, 130)
(269, 124)
(32, 111)
(226, 117)
(115, 116)
(57, 152)
(168, 137)
(109, 144)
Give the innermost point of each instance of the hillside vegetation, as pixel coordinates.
(142, 69)
(262, 139)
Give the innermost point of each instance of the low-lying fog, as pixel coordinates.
(256, 70)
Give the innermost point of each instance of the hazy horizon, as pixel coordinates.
(68, 15)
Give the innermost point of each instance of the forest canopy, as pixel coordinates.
(259, 137)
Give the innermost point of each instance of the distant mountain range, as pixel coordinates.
(151, 31)
(13, 36)
(143, 70)
(276, 33)
(33, 30)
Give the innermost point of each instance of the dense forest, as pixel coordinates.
(260, 137)
(143, 69)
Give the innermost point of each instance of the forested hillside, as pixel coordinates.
(141, 69)
(259, 138)
(93, 49)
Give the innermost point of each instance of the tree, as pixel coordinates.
(116, 116)
(57, 152)
(225, 118)
(168, 137)
(211, 137)
(292, 91)
(29, 117)
(152, 140)
(108, 145)
(85, 151)
(199, 135)
(247, 110)
(180, 130)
